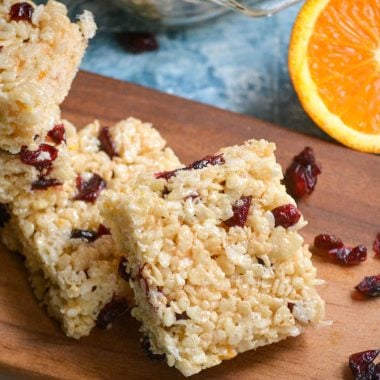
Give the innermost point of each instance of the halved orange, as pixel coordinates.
(334, 63)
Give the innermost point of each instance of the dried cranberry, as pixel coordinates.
(182, 316)
(208, 160)
(21, 12)
(369, 286)
(240, 212)
(89, 191)
(89, 235)
(103, 230)
(138, 42)
(43, 183)
(5, 216)
(57, 134)
(286, 215)
(113, 309)
(301, 175)
(42, 158)
(350, 256)
(362, 365)
(291, 306)
(122, 269)
(376, 245)
(326, 242)
(106, 143)
(147, 348)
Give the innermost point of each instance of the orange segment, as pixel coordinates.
(334, 62)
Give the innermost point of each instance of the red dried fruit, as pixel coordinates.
(240, 212)
(301, 176)
(350, 256)
(106, 143)
(138, 42)
(200, 164)
(362, 365)
(5, 216)
(291, 306)
(42, 158)
(369, 286)
(122, 269)
(43, 183)
(57, 134)
(113, 309)
(21, 12)
(327, 242)
(286, 215)
(103, 230)
(90, 190)
(376, 245)
(89, 235)
(147, 348)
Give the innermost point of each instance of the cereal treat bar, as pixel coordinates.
(40, 52)
(214, 257)
(70, 253)
(37, 167)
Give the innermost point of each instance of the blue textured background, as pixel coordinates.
(232, 62)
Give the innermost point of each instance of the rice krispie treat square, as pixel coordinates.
(70, 253)
(214, 257)
(40, 52)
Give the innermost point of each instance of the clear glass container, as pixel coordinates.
(182, 12)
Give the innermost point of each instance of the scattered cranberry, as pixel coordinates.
(286, 215)
(122, 269)
(138, 42)
(147, 348)
(117, 306)
(90, 235)
(376, 245)
(42, 158)
(240, 212)
(326, 242)
(43, 183)
(103, 230)
(291, 306)
(208, 160)
(362, 365)
(57, 134)
(5, 216)
(301, 175)
(21, 12)
(106, 143)
(89, 191)
(182, 316)
(369, 286)
(350, 256)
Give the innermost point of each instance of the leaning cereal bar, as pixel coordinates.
(70, 254)
(40, 52)
(214, 257)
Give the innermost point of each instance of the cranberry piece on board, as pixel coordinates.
(301, 176)
(57, 134)
(369, 286)
(89, 235)
(240, 212)
(200, 164)
(42, 158)
(43, 183)
(350, 256)
(376, 245)
(138, 42)
(286, 215)
(5, 216)
(327, 242)
(106, 143)
(362, 365)
(21, 12)
(89, 190)
(113, 309)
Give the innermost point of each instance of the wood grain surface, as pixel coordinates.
(346, 202)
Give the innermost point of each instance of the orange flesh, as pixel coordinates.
(344, 61)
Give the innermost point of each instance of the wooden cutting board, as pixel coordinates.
(346, 202)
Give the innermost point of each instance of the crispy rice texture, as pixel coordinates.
(75, 278)
(205, 291)
(38, 62)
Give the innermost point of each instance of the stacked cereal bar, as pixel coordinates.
(214, 257)
(40, 52)
(69, 252)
